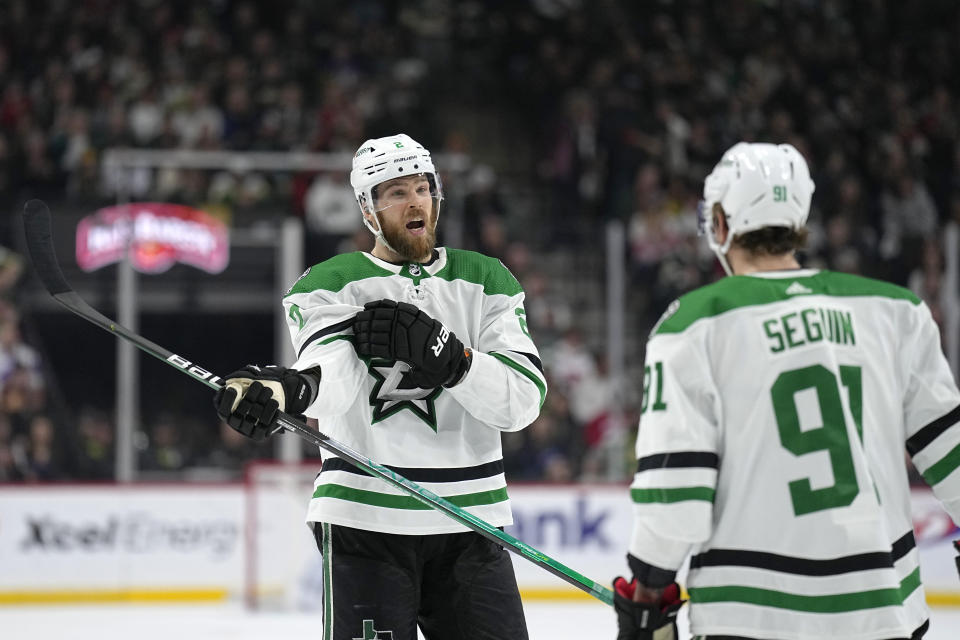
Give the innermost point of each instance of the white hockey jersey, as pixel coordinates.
(771, 446)
(446, 440)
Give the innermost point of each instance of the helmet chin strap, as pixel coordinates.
(720, 250)
(722, 257)
(378, 232)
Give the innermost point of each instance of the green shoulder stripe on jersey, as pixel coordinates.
(479, 269)
(734, 292)
(542, 388)
(831, 603)
(944, 467)
(337, 272)
(678, 494)
(391, 501)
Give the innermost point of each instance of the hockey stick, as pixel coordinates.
(36, 224)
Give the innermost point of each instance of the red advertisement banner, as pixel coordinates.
(157, 235)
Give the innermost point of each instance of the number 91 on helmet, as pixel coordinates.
(758, 185)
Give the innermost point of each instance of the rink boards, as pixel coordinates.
(182, 542)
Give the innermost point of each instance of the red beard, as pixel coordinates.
(409, 247)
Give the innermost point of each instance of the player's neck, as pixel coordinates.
(743, 263)
(381, 251)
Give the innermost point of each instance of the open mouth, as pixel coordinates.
(415, 224)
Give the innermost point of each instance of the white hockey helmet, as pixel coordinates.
(758, 185)
(381, 159)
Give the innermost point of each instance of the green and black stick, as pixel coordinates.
(36, 224)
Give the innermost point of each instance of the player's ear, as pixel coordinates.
(719, 221)
(370, 218)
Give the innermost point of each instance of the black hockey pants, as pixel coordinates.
(380, 586)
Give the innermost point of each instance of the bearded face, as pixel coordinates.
(408, 216)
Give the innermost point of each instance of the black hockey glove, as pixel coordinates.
(252, 396)
(646, 621)
(401, 331)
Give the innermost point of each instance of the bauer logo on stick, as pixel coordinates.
(192, 369)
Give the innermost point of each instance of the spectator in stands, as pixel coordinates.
(926, 281)
(11, 267)
(570, 361)
(95, 454)
(198, 123)
(9, 471)
(165, 449)
(909, 218)
(549, 312)
(21, 379)
(483, 214)
(40, 455)
(232, 451)
(330, 215)
(649, 89)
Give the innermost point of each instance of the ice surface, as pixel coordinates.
(546, 621)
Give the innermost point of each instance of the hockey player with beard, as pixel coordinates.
(418, 357)
(778, 402)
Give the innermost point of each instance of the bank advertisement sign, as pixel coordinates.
(585, 528)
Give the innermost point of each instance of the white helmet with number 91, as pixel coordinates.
(758, 185)
(381, 159)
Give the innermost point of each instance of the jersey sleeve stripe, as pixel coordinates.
(793, 564)
(541, 387)
(670, 495)
(326, 331)
(534, 360)
(936, 472)
(675, 478)
(831, 603)
(677, 460)
(393, 501)
(929, 433)
(903, 546)
(455, 474)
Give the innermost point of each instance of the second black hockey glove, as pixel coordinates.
(646, 621)
(252, 396)
(400, 331)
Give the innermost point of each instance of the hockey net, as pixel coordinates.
(282, 565)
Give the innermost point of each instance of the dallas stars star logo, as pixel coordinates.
(369, 633)
(391, 394)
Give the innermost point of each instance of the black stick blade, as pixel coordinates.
(36, 227)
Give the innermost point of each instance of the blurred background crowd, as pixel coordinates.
(573, 113)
